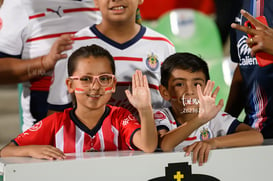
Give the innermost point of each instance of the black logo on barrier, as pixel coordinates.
(182, 172)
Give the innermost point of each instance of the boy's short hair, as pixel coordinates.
(184, 61)
(85, 52)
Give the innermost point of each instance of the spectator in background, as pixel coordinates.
(160, 7)
(224, 10)
(132, 45)
(29, 29)
(251, 87)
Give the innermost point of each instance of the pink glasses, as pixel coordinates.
(103, 79)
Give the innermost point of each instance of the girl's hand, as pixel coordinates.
(140, 97)
(45, 152)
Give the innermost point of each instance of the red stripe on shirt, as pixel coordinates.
(129, 83)
(108, 135)
(36, 16)
(87, 143)
(84, 38)
(49, 36)
(69, 145)
(157, 38)
(128, 59)
(261, 7)
(42, 84)
(153, 86)
(191, 138)
(79, 9)
(64, 11)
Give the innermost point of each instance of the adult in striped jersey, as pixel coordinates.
(92, 125)
(193, 122)
(251, 87)
(29, 28)
(133, 46)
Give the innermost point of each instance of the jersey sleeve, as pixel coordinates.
(223, 124)
(161, 120)
(42, 133)
(128, 126)
(11, 33)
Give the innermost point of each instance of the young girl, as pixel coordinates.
(91, 125)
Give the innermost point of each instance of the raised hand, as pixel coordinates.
(140, 97)
(63, 43)
(146, 138)
(207, 107)
(262, 36)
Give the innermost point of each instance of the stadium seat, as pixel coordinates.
(153, 9)
(194, 32)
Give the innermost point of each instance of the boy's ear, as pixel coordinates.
(164, 93)
(69, 85)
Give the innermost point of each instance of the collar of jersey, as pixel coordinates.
(91, 132)
(121, 46)
(177, 123)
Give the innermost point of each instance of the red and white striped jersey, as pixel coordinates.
(29, 29)
(114, 131)
(145, 52)
(221, 125)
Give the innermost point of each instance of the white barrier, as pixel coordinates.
(242, 164)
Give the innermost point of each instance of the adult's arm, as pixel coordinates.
(235, 101)
(14, 70)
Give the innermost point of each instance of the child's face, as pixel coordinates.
(93, 82)
(118, 10)
(182, 90)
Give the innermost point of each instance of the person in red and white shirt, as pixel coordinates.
(29, 29)
(91, 125)
(194, 123)
(133, 46)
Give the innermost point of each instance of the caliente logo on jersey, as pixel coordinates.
(244, 53)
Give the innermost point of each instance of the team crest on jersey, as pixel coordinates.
(205, 134)
(159, 115)
(152, 62)
(36, 126)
